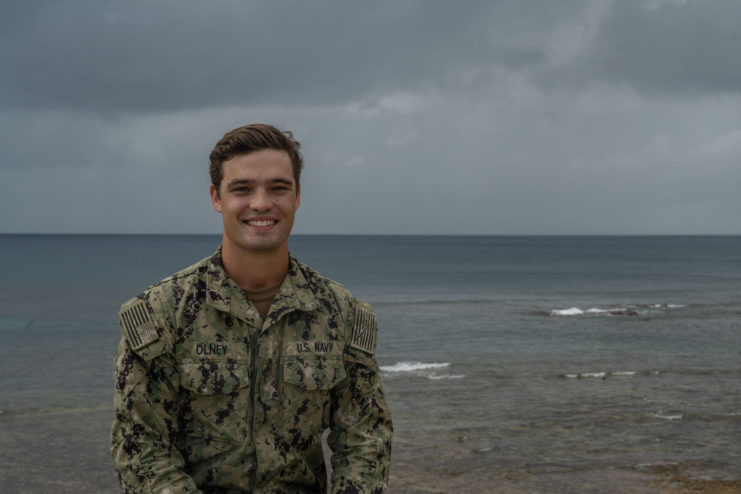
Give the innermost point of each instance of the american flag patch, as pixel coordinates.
(138, 326)
(364, 331)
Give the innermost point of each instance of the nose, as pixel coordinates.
(260, 200)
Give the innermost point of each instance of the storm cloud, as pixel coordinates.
(476, 117)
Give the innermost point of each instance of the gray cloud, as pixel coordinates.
(162, 56)
(662, 48)
(609, 116)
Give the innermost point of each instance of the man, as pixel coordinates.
(229, 371)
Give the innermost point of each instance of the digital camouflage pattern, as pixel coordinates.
(209, 398)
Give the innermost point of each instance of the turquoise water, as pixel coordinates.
(534, 354)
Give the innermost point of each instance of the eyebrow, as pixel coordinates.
(247, 181)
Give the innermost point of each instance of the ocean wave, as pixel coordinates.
(55, 410)
(663, 416)
(413, 366)
(433, 301)
(649, 373)
(574, 311)
(598, 375)
(617, 310)
(446, 376)
(15, 324)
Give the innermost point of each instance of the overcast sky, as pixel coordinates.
(437, 117)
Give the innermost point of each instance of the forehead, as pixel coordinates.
(264, 164)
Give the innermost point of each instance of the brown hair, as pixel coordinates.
(249, 138)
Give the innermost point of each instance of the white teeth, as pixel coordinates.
(261, 223)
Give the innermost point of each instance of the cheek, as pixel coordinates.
(234, 207)
(289, 205)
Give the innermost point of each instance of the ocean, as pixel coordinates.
(538, 363)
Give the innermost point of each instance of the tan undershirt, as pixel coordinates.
(263, 298)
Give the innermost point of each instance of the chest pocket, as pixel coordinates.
(207, 376)
(311, 372)
(214, 391)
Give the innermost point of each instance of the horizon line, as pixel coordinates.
(80, 234)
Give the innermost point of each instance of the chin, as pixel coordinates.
(266, 245)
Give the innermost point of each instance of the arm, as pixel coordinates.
(361, 426)
(145, 423)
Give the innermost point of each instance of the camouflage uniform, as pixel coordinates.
(209, 398)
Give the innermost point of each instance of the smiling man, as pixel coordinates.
(230, 371)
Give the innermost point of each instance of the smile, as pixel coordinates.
(261, 223)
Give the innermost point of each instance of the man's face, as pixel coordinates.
(258, 199)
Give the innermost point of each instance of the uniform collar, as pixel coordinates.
(296, 292)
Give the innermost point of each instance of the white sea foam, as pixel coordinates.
(574, 311)
(668, 417)
(446, 376)
(599, 375)
(413, 366)
(617, 310)
(667, 306)
(594, 374)
(582, 375)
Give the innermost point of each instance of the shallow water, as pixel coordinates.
(580, 362)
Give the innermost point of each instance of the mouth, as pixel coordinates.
(261, 223)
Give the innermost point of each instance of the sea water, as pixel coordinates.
(510, 355)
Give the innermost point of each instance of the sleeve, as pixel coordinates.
(145, 422)
(361, 427)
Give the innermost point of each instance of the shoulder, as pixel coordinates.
(146, 318)
(358, 315)
(166, 293)
(322, 286)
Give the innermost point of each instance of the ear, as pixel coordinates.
(215, 199)
(298, 195)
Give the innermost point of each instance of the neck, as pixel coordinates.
(255, 270)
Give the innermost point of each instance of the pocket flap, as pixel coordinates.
(313, 372)
(206, 376)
